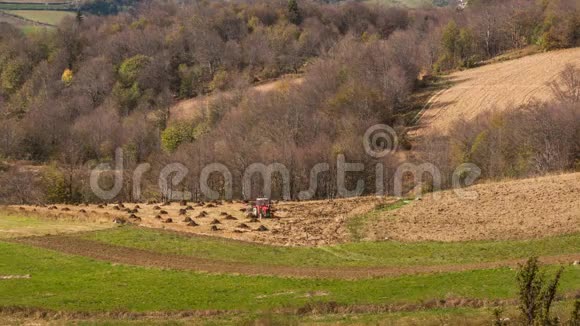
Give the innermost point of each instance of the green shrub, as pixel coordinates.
(220, 81)
(54, 184)
(536, 295)
(177, 134)
(575, 317)
(127, 97)
(13, 75)
(130, 69)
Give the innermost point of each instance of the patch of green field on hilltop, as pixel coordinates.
(33, 6)
(43, 16)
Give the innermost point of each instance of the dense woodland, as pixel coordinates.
(70, 97)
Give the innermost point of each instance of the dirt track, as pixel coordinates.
(521, 209)
(105, 252)
(495, 87)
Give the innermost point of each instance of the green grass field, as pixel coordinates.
(68, 283)
(388, 253)
(43, 16)
(31, 29)
(14, 225)
(358, 224)
(52, 2)
(74, 284)
(33, 6)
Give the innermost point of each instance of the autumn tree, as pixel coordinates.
(294, 14)
(457, 44)
(567, 87)
(536, 294)
(127, 90)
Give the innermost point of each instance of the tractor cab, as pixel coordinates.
(262, 208)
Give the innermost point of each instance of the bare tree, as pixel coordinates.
(567, 87)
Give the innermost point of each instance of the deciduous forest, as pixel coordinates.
(70, 97)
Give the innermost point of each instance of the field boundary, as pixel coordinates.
(30, 21)
(314, 308)
(138, 257)
(60, 6)
(417, 118)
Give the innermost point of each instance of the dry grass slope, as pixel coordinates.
(192, 108)
(496, 87)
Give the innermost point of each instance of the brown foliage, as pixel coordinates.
(360, 63)
(567, 87)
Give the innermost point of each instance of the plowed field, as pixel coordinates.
(496, 87)
(520, 209)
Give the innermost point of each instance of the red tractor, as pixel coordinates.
(262, 208)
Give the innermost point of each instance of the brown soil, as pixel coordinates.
(496, 87)
(294, 223)
(122, 255)
(521, 209)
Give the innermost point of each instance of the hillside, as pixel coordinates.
(495, 87)
(500, 211)
(192, 108)
(235, 162)
(111, 81)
